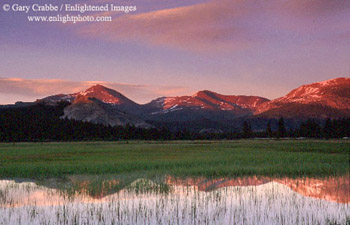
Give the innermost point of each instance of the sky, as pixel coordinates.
(176, 47)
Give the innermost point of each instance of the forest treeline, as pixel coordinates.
(42, 122)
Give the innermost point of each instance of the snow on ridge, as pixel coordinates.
(310, 90)
(173, 107)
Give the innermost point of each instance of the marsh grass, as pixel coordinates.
(269, 203)
(178, 158)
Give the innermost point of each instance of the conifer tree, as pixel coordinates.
(281, 128)
(269, 129)
(247, 129)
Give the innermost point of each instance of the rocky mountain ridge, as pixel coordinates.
(100, 104)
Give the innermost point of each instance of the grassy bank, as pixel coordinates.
(181, 158)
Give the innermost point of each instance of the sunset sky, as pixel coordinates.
(177, 47)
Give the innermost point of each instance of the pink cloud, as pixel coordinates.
(199, 27)
(222, 25)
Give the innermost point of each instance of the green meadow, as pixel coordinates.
(276, 158)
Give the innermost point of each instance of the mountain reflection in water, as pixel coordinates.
(246, 200)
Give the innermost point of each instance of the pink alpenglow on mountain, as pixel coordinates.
(322, 98)
(98, 92)
(208, 100)
(106, 95)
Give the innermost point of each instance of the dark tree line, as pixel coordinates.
(311, 128)
(335, 128)
(42, 123)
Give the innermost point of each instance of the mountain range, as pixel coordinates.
(206, 109)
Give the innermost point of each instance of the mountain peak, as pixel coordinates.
(105, 95)
(324, 92)
(334, 93)
(96, 88)
(339, 80)
(98, 85)
(209, 100)
(204, 93)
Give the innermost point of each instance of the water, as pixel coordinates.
(249, 200)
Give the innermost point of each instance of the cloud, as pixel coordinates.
(315, 8)
(39, 88)
(222, 25)
(205, 26)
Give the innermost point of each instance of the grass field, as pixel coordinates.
(179, 158)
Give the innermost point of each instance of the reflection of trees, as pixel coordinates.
(204, 184)
(100, 186)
